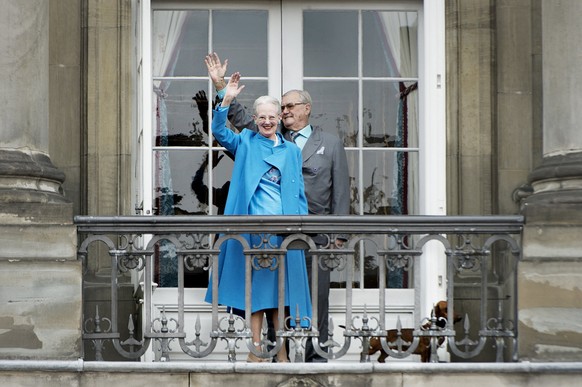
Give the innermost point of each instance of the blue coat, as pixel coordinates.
(254, 156)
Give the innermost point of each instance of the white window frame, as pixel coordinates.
(432, 161)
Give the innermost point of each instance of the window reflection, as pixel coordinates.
(369, 262)
(335, 108)
(385, 184)
(182, 114)
(219, 191)
(389, 182)
(353, 166)
(182, 183)
(390, 114)
(366, 270)
(380, 196)
(173, 174)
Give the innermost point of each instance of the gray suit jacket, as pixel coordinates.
(325, 166)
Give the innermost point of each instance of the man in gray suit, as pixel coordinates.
(325, 174)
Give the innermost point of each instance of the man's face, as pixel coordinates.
(296, 117)
(267, 119)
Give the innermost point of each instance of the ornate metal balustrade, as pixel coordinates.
(480, 253)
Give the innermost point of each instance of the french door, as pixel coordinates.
(364, 66)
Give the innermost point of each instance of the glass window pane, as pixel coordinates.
(390, 44)
(167, 260)
(335, 108)
(352, 157)
(330, 43)
(222, 163)
(179, 43)
(366, 271)
(390, 183)
(390, 114)
(181, 113)
(174, 171)
(242, 38)
(181, 181)
(396, 277)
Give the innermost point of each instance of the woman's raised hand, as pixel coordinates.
(232, 89)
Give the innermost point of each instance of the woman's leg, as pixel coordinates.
(256, 325)
(282, 355)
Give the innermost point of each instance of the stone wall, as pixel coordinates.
(289, 375)
(40, 276)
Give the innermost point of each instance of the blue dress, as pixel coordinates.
(266, 180)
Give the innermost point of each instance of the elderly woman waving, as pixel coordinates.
(266, 180)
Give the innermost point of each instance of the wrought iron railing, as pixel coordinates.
(481, 254)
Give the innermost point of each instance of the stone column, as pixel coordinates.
(551, 272)
(40, 277)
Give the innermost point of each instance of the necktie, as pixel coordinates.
(294, 136)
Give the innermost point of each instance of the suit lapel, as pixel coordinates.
(312, 145)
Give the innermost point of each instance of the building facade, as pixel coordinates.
(496, 117)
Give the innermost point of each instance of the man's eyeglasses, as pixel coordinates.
(291, 105)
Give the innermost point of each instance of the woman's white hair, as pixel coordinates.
(267, 99)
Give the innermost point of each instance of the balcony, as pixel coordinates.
(386, 277)
(128, 317)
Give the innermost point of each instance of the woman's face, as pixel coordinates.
(267, 119)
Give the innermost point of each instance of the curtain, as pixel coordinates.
(400, 52)
(166, 37)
